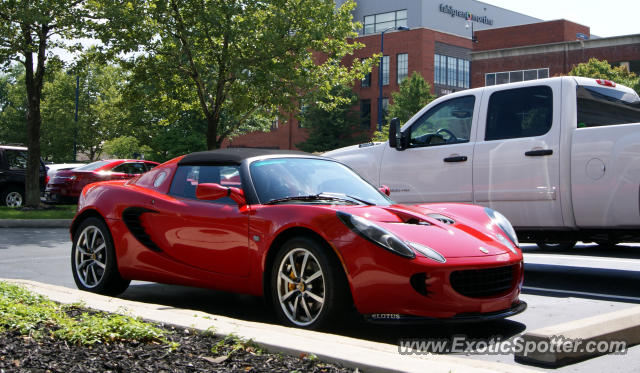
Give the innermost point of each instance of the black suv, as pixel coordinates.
(13, 166)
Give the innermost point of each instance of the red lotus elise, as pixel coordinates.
(305, 232)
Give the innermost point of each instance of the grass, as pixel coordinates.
(52, 212)
(32, 315)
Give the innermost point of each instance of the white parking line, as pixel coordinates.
(583, 293)
(583, 261)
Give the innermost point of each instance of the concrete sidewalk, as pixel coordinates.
(350, 352)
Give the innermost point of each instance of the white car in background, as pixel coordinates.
(53, 168)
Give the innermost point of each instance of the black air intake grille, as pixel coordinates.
(442, 218)
(478, 283)
(131, 218)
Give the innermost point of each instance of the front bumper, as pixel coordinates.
(459, 318)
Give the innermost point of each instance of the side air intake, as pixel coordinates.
(131, 218)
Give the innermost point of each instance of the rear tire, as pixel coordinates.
(308, 287)
(12, 196)
(562, 245)
(93, 259)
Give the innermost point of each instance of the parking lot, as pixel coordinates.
(560, 286)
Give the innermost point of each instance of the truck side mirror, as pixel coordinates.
(396, 139)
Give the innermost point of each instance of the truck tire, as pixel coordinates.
(562, 245)
(12, 196)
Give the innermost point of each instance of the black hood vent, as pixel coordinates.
(442, 219)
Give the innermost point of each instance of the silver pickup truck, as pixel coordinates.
(559, 157)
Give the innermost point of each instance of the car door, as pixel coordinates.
(517, 156)
(437, 164)
(209, 235)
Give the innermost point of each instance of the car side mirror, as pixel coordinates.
(396, 137)
(213, 191)
(385, 189)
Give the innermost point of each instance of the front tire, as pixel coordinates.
(93, 259)
(308, 287)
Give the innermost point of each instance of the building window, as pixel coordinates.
(451, 71)
(385, 70)
(515, 76)
(403, 66)
(365, 113)
(385, 109)
(366, 81)
(380, 22)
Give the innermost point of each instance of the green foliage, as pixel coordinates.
(28, 314)
(601, 69)
(235, 62)
(413, 94)
(331, 128)
(231, 344)
(125, 147)
(59, 212)
(13, 106)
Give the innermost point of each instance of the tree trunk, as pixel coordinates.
(33, 81)
(212, 132)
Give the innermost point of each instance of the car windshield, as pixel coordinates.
(92, 166)
(316, 180)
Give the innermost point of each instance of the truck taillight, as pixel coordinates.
(606, 83)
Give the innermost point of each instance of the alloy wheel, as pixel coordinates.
(90, 257)
(301, 286)
(14, 199)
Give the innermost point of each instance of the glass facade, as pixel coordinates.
(385, 70)
(379, 22)
(451, 71)
(403, 67)
(515, 76)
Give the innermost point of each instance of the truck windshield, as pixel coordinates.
(599, 106)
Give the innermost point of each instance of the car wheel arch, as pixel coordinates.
(77, 221)
(272, 251)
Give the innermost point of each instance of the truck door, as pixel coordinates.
(517, 155)
(436, 166)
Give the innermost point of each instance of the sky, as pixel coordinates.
(605, 18)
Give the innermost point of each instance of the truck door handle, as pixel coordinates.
(538, 153)
(457, 158)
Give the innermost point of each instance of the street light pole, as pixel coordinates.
(75, 133)
(401, 28)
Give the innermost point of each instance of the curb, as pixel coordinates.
(349, 352)
(568, 342)
(35, 223)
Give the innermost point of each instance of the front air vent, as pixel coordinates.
(442, 219)
(479, 283)
(131, 218)
(419, 283)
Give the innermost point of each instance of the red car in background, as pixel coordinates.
(67, 184)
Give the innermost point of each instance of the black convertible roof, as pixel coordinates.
(234, 155)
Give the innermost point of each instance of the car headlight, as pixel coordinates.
(504, 224)
(376, 234)
(428, 252)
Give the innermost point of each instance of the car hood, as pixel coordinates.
(451, 235)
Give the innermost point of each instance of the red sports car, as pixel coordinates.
(66, 185)
(305, 232)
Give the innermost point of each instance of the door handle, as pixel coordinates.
(456, 158)
(538, 153)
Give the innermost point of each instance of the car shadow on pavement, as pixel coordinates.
(252, 308)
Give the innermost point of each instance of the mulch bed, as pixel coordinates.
(25, 354)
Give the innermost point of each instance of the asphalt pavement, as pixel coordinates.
(559, 287)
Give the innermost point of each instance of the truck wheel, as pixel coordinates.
(562, 245)
(12, 196)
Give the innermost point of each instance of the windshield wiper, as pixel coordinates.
(320, 196)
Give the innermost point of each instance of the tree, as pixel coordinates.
(27, 30)
(125, 147)
(413, 94)
(601, 69)
(13, 106)
(235, 61)
(333, 128)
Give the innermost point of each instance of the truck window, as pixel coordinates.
(447, 123)
(600, 106)
(519, 112)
